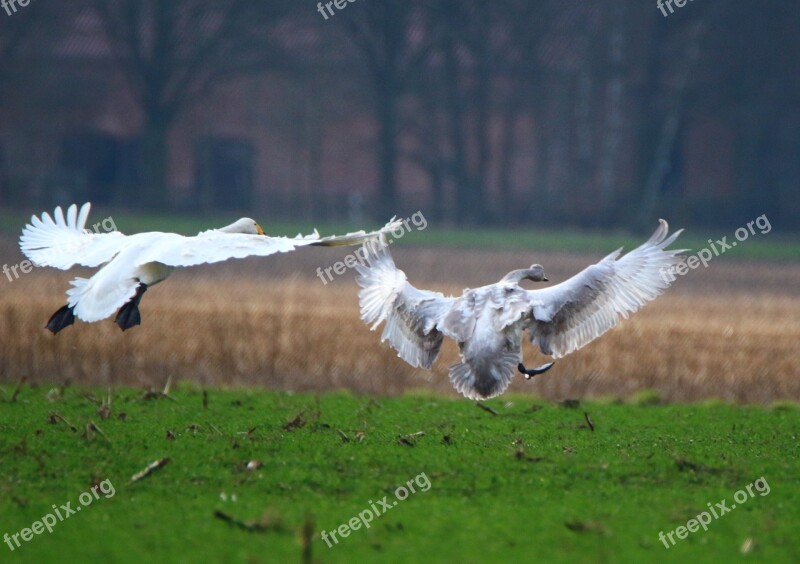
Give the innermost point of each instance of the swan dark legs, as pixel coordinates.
(128, 315)
(64, 317)
(529, 372)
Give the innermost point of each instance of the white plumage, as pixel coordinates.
(133, 263)
(488, 322)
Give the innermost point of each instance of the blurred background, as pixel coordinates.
(602, 113)
(547, 130)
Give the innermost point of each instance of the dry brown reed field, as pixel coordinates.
(729, 331)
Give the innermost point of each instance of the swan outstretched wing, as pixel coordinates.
(216, 246)
(63, 241)
(411, 315)
(570, 315)
(356, 237)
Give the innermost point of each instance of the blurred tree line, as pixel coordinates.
(599, 113)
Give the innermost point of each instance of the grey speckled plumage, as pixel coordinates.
(488, 322)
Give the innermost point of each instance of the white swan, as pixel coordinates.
(134, 263)
(487, 322)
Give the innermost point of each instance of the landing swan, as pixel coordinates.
(488, 322)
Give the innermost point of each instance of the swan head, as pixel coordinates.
(536, 273)
(244, 225)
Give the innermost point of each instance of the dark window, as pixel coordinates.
(100, 166)
(224, 178)
(90, 159)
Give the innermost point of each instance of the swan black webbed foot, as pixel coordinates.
(64, 317)
(529, 372)
(128, 315)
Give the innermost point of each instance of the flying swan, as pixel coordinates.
(131, 264)
(488, 322)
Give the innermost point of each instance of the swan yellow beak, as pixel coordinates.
(260, 231)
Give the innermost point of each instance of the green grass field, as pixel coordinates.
(772, 245)
(530, 482)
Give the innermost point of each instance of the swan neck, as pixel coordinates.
(516, 276)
